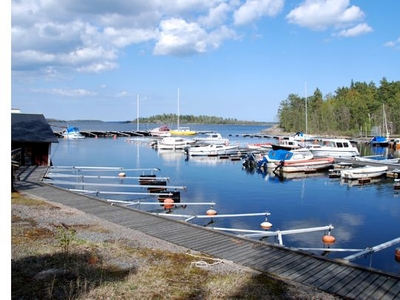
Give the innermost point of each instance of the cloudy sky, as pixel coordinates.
(102, 59)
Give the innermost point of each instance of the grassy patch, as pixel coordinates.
(52, 263)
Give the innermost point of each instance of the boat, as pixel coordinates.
(380, 159)
(379, 141)
(260, 146)
(286, 144)
(212, 138)
(72, 133)
(307, 165)
(173, 143)
(179, 129)
(212, 150)
(183, 131)
(334, 147)
(162, 131)
(303, 137)
(364, 172)
(274, 157)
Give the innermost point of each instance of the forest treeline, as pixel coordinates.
(356, 110)
(190, 119)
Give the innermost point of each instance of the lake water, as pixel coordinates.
(363, 216)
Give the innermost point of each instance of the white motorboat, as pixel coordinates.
(380, 159)
(72, 133)
(364, 172)
(173, 143)
(287, 144)
(212, 150)
(334, 147)
(162, 131)
(307, 165)
(212, 138)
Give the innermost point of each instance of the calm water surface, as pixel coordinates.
(362, 216)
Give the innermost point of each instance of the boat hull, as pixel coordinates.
(364, 172)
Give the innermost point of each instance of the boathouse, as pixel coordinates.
(31, 139)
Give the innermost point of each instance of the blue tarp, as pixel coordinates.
(279, 154)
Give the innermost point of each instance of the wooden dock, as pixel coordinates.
(337, 277)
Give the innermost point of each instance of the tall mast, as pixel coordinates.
(137, 112)
(178, 108)
(305, 92)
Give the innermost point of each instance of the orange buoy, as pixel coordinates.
(266, 225)
(122, 174)
(168, 203)
(211, 212)
(328, 239)
(397, 254)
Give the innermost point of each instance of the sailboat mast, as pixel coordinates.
(305, 92)
(178, 109)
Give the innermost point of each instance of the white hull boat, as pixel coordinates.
(364, 172)
(212, 150)
(173, 143)
(380, 159)
(307, 165)
(162, 131)
(337, 148)
(72, 133)
(212, 138)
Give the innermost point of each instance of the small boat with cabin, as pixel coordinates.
(72, 133)
(334, 147)
(212, 150)
(173, 143)
(212, 138)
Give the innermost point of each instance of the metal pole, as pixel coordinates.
(373, 249)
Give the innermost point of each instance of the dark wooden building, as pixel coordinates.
(33, 136)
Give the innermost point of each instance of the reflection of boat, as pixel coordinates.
(212, 138)
(72, 133)
(173, 143)
(308, 165)
(162, 131)
(378, 159)
(334, 147)
(292, 175)
(364, 172)
(169, 155)
(212, 150)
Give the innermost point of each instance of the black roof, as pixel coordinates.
(31, 128)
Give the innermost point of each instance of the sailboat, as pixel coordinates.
(181, 130)
(380, 140)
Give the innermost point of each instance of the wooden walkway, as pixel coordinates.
(336, 277)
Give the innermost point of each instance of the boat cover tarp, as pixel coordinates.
(279, 154)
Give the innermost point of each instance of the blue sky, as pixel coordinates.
(77, 59)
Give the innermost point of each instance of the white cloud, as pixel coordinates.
(67, 93)
(57, 38)
(322, 14)
(253, 10)
(394, 43)
(356, 30)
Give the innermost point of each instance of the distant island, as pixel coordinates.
(184, 119)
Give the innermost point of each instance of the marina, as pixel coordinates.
(338, 277)
(295, 201)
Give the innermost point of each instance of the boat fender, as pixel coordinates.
(397, 254)
(168, 203)
(211, 212)
(328, 239)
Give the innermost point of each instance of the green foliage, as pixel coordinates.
(65, 236)
(202, 119)
(356, 109)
